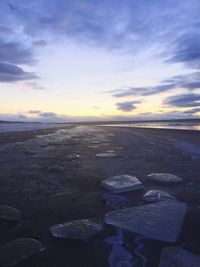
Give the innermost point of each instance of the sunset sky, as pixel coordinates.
(71, 60)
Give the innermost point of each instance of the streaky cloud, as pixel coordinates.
(127, 106)
(13, 73)
(183, 101)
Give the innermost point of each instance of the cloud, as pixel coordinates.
(111, 23)
(187, 50)
(192, 111)
(15, 53)
(188, 81)
(47, 114)
(12, 73)
(127, 106)
(185, 100)
(34, 111)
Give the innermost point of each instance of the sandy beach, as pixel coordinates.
(54, 176)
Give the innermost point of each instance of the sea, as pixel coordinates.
(6, 127)
(169, 124)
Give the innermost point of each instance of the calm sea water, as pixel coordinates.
(181, 125)
(16, 127)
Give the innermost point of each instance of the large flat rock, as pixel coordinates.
(177, 257)
(18, 250)
(160, 221)
(9, 213)
(164, 178)
(122, 183)
(156, 195)
(79, 229)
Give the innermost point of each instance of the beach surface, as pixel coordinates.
(54, 176)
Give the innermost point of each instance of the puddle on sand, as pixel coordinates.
(123, 256)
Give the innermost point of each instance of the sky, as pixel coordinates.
(86, 60)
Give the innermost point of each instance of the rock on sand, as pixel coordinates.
(164, 178)
(161, 221)
(122, 183)
(174, 256)
(80, 229)
(156, 196)
(9, 213)
(18, 250)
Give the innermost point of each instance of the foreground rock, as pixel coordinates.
(18, 250)
(80, 229)
(177, 257)
(106, 155)
(161, 221)
(164, 178)
(156, 196)
(122, 183)
(9, 213)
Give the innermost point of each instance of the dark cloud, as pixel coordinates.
(113, 23)
(127, 106)
(188, 81)
(13, 73)
(40, 43)
(187, 49)
(47, 114)
(15, 53)
(192, 111)
(185, 100)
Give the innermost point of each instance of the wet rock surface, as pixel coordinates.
(161, 221)
(81, 229)
(164, 178)
(156, 196)
(9, 213)
(122, 183)
(18, 250)
(177, 257)
(48, 198)
(56, 168)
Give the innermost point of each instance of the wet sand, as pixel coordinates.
(49, 196)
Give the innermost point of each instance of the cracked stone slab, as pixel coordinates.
(79, 229)
(178, 257)
(156, 196)
(164, 178)
(122, 183)
(160, 221)
(9, 213)
(18, 250)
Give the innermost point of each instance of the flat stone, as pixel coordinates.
(106, 155)
(122, 183)
(164, 178)
(160, 221)
(9, 213)
(156, 196)
(18, 250)
(177, 257)
(80, 229)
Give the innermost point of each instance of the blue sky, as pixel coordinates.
(65, 60)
